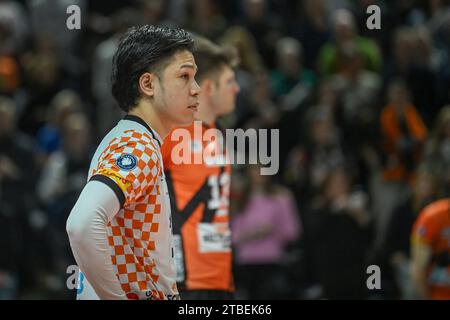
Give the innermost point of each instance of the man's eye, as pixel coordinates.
(185, 76)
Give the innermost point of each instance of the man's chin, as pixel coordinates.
(188, 120)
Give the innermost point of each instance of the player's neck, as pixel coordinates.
(151, 117)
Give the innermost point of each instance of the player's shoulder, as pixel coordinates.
(128, 142)
(131, 134)
(132, 137)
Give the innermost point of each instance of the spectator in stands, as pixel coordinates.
(17, 178)
(14, 27)
(339, 237)
(313, 30)
(358, 90)
(249, 67)
(344, 31)
(310, 162)
(205, 18)
(107, 111)
(65, 103)
(265, 26)
(403, 134)
(62, 179)
(396, 246)
(414, 60)
(291, 82)
(436, 156)
(265, 224)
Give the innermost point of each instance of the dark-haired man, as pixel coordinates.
(120, 228)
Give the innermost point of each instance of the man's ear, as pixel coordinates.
(147, 83)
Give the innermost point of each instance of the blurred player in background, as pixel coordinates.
(200, 191)
(120, 227)
(431, 252)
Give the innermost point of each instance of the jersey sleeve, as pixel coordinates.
(88, 235)
(129, 165)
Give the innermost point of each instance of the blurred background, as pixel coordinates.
(364, 119)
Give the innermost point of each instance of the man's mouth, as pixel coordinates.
(194, 107)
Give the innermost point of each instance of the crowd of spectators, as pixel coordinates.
(364, 120)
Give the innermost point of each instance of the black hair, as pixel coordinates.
(143, 49)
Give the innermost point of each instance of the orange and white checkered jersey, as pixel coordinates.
(140, 235)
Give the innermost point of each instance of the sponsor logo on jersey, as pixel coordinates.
(117, 178)
(214, 237)
(126, 162)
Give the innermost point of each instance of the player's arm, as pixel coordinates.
(87, 230)
(421, 254)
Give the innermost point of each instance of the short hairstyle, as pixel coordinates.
(143, 49)
(211, 58)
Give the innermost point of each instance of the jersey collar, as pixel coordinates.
(139, 120)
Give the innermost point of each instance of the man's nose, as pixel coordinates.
(195, 90)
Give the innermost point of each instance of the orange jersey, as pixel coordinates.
(199, 200)
(391, 128)
(433, 229)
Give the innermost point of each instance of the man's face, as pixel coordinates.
(224, 96)
(176, 91)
